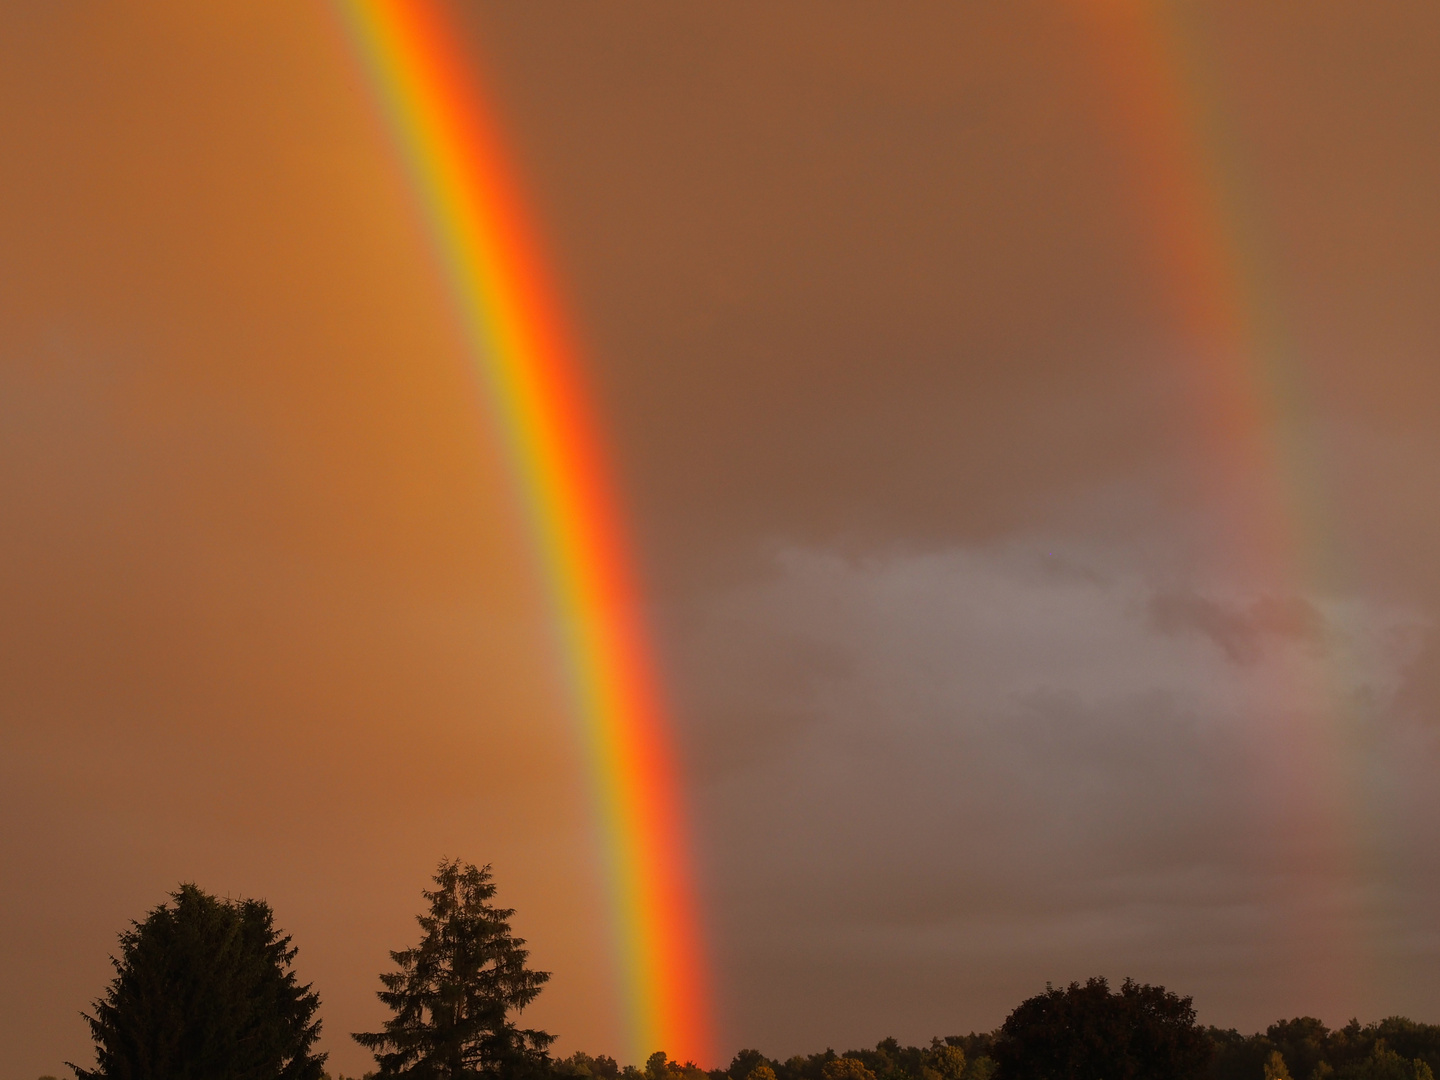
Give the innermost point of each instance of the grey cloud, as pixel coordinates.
(1015, 773)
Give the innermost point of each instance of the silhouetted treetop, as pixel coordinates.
(204, 990)
(455, 992)
(1088, 1032)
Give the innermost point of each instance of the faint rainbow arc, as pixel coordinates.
(1185, 181)
(1190, 186)
(428, 90)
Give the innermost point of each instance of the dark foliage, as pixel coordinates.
(455, 991)
(1238, 1057)
(581, 1064)
(1393, 1049)
(1089, 1033)
(943, 1059)
(203, 991)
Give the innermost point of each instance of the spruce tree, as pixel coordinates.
(456, 990)
(203, 990)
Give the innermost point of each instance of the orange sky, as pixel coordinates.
(940, 583)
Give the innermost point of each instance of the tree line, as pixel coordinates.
(205, 989)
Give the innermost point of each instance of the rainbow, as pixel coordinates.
(427, 87)
(1187, 181)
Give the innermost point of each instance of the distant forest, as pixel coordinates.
(205, 989)
(1393, 1049)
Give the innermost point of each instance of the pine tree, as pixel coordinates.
(203, 991)
(455, 992)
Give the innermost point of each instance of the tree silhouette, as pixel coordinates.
(1088, 1033)
(203, 991)
(455, 991)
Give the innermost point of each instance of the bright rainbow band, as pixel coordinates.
(427, 86)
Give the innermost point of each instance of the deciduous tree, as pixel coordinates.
(1089, 1033)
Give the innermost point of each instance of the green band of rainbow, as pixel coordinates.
(428, 90)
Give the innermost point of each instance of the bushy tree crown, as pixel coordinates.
(1087, 1032)
(203, 990)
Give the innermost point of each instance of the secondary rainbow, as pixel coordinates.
(426, 84)
(1187, 180)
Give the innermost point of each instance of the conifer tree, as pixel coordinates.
(203, 990)
(456, 991)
